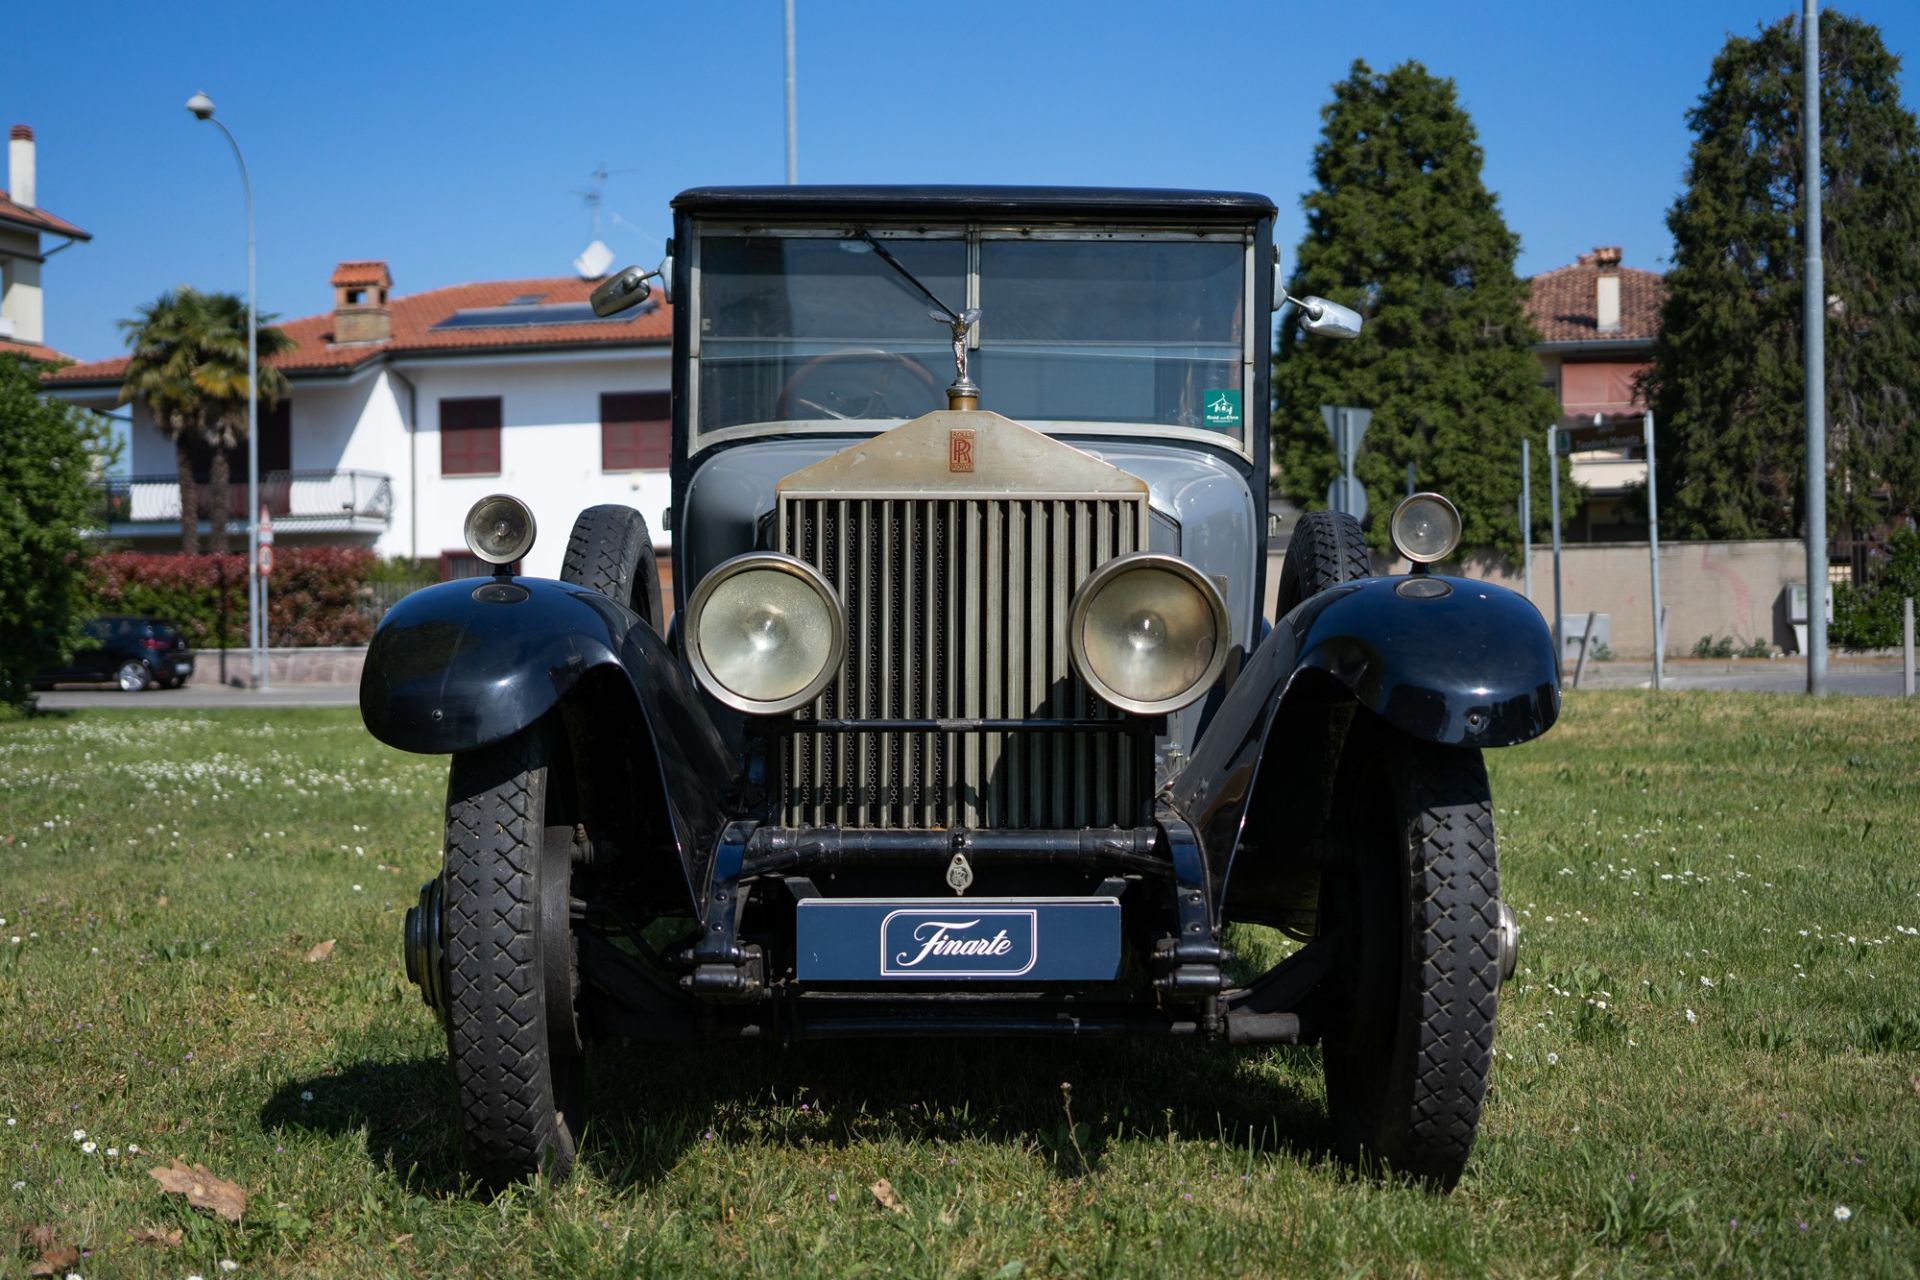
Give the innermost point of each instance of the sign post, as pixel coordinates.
(1346, 425)
(1555, 439)
(262, 569)
(1653, 558)
(1526, 517)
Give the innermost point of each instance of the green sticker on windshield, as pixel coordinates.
(1223, 409)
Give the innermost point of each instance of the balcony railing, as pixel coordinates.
(335, 500)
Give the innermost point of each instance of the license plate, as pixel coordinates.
(182, 668)
(958, 939)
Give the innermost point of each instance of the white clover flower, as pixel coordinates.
(132, 1150)
(19, 1186)
(79, 1135)
(356, 888)
(113, 1152)
(1692, 1016)
(306, 1095)
(89, 1146)
(1841, 1213)
(1553, 1059)
(228, 1264)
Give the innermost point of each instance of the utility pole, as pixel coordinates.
(1814, 320)
(793, 134)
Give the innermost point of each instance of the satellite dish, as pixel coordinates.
(593, 261)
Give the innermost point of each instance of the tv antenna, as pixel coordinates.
(597, 257)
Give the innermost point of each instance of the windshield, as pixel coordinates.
(816, 327)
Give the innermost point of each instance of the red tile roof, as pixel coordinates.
(38, 219)
(414, 316)
(33, 351)
(351, 274)
(1562, 305)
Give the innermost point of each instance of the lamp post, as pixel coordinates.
(202, 108)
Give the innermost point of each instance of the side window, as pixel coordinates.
(636, 430)
(470, 437)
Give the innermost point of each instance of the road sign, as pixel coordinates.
(1349, 495)
(266, 559)
(1347, 426)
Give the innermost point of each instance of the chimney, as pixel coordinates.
(360, 311)
(20, 165)
(1606, 288)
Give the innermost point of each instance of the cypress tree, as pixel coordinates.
(1728, 380)
(1401, 227)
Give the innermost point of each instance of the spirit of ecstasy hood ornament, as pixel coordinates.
(964, 393)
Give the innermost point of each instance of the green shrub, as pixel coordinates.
(313, 595)
(1869, 617)
(46, 498)
(1756, 648)
(1709, 647)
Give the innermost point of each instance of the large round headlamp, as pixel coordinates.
(499, 528)
(1148, 633)
(1425, 527)
(765, 633)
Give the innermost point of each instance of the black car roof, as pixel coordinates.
(1110, 203)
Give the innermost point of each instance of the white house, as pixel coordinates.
(22, 223)
(405, 409)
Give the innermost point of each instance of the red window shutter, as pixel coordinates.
(470, 437)
(636, 430)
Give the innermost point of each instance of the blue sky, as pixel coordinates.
(452, 141)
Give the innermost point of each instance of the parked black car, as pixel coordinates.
(969, 719)
(133, 652)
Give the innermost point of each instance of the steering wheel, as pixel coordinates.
(860, 382)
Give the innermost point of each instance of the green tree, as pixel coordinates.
(1728, 380)
(53, 454)
(189, 367)
(1401, 227)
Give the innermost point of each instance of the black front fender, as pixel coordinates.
(1470, 666)
(463, 664)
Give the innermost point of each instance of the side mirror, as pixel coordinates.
(627, 289)
(1328, 319)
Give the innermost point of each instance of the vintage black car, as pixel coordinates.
(968, 720)
(132, 651)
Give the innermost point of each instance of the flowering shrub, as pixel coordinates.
(313, 594)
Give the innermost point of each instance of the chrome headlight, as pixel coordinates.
(1148, 632)
(1425, 527)
(499, 528)
(765, 633)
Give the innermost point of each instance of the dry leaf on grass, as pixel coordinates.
(55, 1257)
(884, 1193)
(158, 1237)
(202, 1189)
(321, 950)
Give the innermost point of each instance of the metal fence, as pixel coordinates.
(307, 498)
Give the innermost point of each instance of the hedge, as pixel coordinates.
(315, 595)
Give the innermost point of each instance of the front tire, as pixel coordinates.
(1327, 548)
(1409, 1038)
(509, 960)
(611, 551)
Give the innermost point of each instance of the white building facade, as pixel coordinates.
(506, 387)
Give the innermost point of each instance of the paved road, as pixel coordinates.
(1869, 679)
(201, 697)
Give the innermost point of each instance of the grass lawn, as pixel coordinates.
(1712, 1046)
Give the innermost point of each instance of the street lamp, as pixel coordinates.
(202, 108)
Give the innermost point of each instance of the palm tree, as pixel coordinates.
(222, 379)
(160, 374)
(189, 367)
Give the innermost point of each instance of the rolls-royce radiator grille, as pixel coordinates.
(957, 610)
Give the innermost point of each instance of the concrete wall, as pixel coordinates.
(1710, 588)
